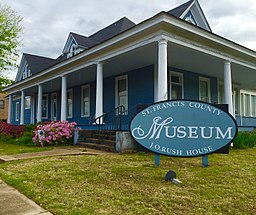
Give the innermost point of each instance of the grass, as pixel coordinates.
(131, 184)
(10, 149)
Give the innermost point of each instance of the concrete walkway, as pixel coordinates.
(57, 151)
(12, 202)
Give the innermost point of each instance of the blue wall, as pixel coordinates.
(140, 90)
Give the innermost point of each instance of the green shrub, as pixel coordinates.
(5, 138)
(245, 140)
(25, 139)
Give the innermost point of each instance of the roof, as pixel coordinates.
(38, 63)
(112, 30)
(178, 11)
(83, 40)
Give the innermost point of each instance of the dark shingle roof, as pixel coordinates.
(83, 40)
(113, 30)
(178, 11)
(38, 63)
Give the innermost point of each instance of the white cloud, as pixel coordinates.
(47, 23)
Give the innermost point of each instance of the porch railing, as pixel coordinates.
(118, 119)
(110, 121)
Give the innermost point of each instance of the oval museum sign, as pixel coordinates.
(183, 128)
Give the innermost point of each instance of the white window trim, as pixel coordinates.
(72, 97)
(2, 100)
(52, 95)
(26, 107)
(46, 95)
(209, 87)
(218, 84)
(242, 100)
(82, 103)
(32, 110)
(182, 83)
(116, 89)
(17, 111)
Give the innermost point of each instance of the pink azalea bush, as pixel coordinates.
(54, 132)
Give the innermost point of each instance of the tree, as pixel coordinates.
(10, 28)
(4, 82)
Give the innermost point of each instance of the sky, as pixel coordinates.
(47, 23)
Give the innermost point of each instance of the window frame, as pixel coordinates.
(17, 111)
(208, 80)
(180, 75)
(89, 100)
(117, 93)
(26, 99)
(67, 104)
(47, 106)
(3, 104)
(252, 108)
(52, 107)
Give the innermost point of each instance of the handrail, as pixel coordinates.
(118, 119)
(115, 123)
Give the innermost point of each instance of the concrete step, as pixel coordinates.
(104, 136)
(101, 141)
(102, 147)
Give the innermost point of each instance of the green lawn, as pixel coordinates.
(10, 149)
(131, 184)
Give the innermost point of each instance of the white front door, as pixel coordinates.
(54, 107)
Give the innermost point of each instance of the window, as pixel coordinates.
(221, 99)
(26, 72)
(204, 90)
(122, 91)
(253, 104)
(176, 85)
(69, 103)
(248, 100)
(85, 101)
(27, 102)
(54, 107)
(247, 105)
(45, 106)
(17, 111)
(1, 104)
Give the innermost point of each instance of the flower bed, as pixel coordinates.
(54, 133)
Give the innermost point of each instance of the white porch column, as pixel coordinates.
(162, 71)
(39, 103)
(10, 110)
(22, 108)
(63, 116)
(99, 90)
(228, 87)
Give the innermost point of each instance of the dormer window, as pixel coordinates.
(190, 19)
(26, 73)
(72, 51)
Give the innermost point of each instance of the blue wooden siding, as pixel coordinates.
(141, 86)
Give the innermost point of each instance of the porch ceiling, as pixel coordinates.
(179, 57)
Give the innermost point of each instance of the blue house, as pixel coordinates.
(172, 55)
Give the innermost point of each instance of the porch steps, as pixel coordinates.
(101, 140)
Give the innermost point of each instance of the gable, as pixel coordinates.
(71, 42)
(192, 12)
(32, 64)
(77, 43)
